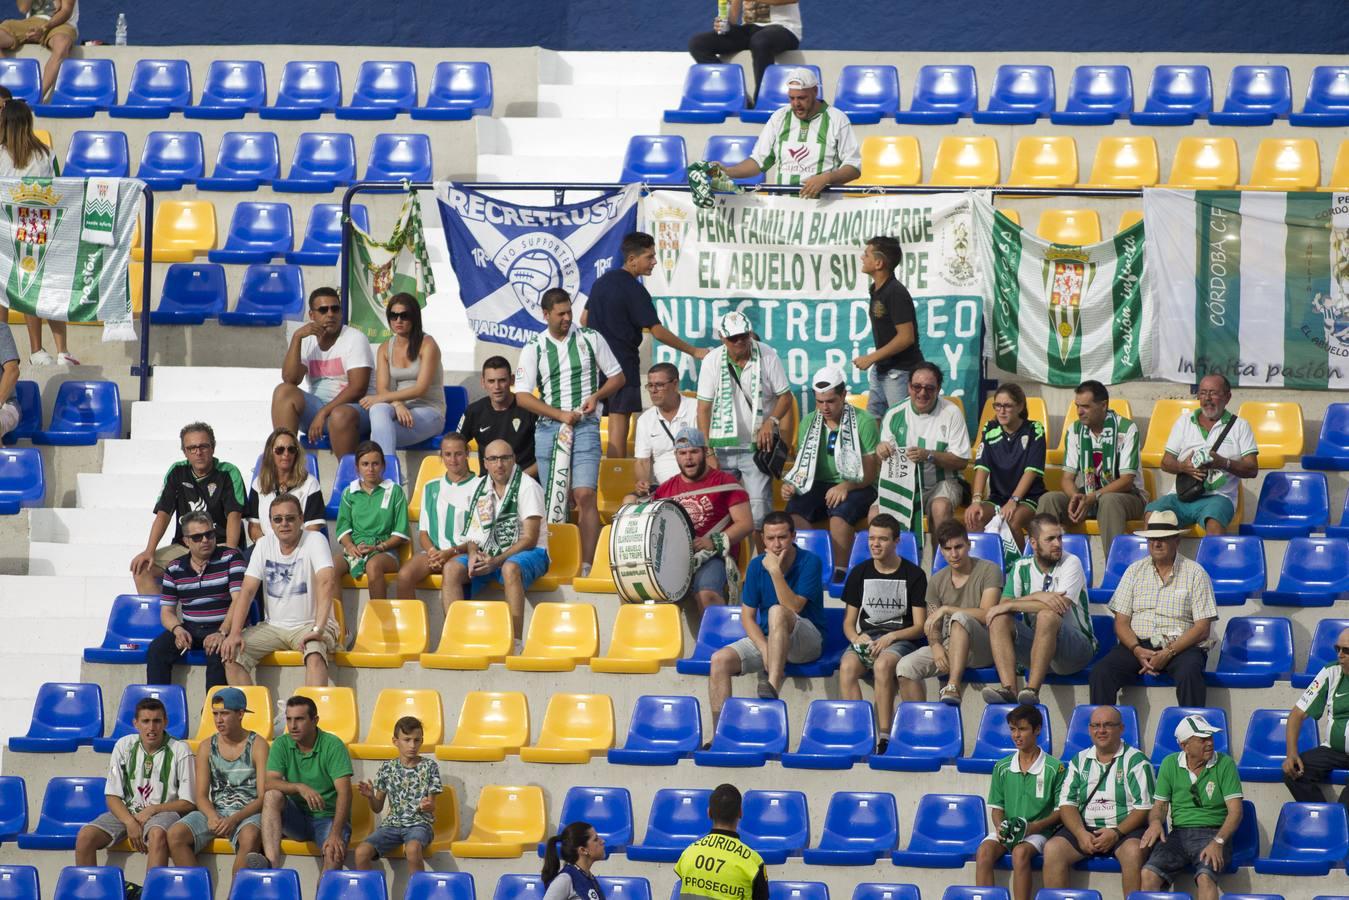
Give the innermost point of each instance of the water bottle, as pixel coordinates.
(119, 37)
(723, 23)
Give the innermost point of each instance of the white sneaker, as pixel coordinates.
(585, 570)
(41, 358)
(65, 359)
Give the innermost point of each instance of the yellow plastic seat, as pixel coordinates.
(1285, 164)
(646, 636)
(1055, 455)
(184, 229)
(1125, 162)
(1205, 163)
(259, 720)
(564, 557)
(618, 476)
(508, 819)
(1035, 409)
(477, 633)
(1129, 218)
(43, 135)
(491, 725)
(337, 710)
(292, 657)
(1165, 412)
(1278, 430)
(632, 435)
(966, 162)
(1044, 162)
(390, 633)
(1012, 214)
(601, 577)
(891, 160)
(560, 636)
(1069, 226)
(575, 728)
(362, 823)
(1339, 173)
(430, 469)
(859, 401)
(390, 706)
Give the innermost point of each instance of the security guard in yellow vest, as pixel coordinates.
(720, 866)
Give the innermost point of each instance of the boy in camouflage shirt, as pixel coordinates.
(409, 783)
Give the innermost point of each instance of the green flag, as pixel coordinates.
(379, 269)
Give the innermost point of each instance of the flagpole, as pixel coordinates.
(148, 229)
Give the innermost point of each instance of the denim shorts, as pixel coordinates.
(313, 404)
(1072, 654)
(710, 576)
(533, 564)
(202, 835)
(1180, 852)
(298, 825)
(388, 838)
(585, 451)
(887, 390)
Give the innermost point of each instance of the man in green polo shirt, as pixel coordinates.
(1203, 792)
(1327, 695)
(308, 790)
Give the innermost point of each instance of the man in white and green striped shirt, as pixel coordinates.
(1104, 804)
(807, 142)
(1327, 695)
(1053, 631)
(442, 525)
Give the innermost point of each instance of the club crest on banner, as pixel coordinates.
(671, 224)
(1334, 308)
(35, 217)
(956, 250)
(1067, 282)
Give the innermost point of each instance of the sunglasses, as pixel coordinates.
(399, 316)
(1341, 651)
(281, 520)
(923, 388)
(285, 450)
(737, 338)
(198, 538)
(657, 385)
(500, 459)
(325, 310)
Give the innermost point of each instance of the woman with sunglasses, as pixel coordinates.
(1009, 466)
(408, 405)
(283, 469)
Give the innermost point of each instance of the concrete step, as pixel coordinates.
(606, 101)
(212, 383)
(593, 68)
(231, 419)
(89, 527)
(49, 558)
(154, 457)
(63, 596)
(563, 138)
(120, 491)
(581, 169)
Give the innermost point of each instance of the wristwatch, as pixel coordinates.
(1015, 499)
(1220, 841)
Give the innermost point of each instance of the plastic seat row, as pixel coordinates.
(245, 160)
(83, 413)
(1023, 94)
(308, 89)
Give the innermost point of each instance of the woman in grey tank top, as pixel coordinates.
(408, 405)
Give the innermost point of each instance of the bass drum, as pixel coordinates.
(651, 552)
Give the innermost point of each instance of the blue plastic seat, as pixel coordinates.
(712, 91)
(85, 412)
(1097, 95)
(1332, 446)
(266, 884)
(170, 159)
(867, 93)
(607, 809)
(19, 883)
(323, 162)
(258, 233)
(720, 627)
(133, 622)
(456, 402)
(348, 885)
(440, 886)
(875, 891)
(97, 154)
(836, 734)
(383, 90)
(749, 732)
(23, 482)
(923, 738)
(1177, 95)
(1020, 95)
(623, 887)
(1079, 734)
(90, 883)
(947, 830)
(1067, 894)
(798, 890)
(1309, 839)
(1246, 842)
(459, 91)
(1327, 103)
(192, 293)
(244, 161)
(678, 817)
(1322, 651)
(941, 96)
(860, 827)
(83, 87)
(29, 400)
(1256, 652)
(1103, 626)
(1124, 552)
(172, 696)
(661, 731)
(1236, 566)
(1341, 530)
(269, 295)
(1264, 748)
(519, 887)
(1256, 95)
(967, 892)
(398, 157)
(308, 89)
(1079, 545)
(23, 78)
(346, 474)
(322, 241)
(1292, 504)
(1157, 895)
(994, 741)
(232, 88)
(1164, 738)
(831, 654)
(655, 159)
(983, 545)
(68, 804)
(158, 87)
(65, 716)
(13, 816)
(1315, 573)
(176, 883)
(773, 92)
(776, 824)
(816, 540)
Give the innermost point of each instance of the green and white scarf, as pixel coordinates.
(559, 476)
(723, 428)
(1087, 441)
(1010, 551)
(720, 546)
(899, 488)
(100, 211)
(847, 451)
(496, 522)
(704, 181)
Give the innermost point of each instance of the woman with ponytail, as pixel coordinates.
(579, 847)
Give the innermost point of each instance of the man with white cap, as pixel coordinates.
(1202, 791)
(834, 475)
(1164, 610)
(743, 398)
(1327, 695)
(807, 142)
(766, 28)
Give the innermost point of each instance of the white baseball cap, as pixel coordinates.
(1194, 726)
(732, 324)
(828, 378)
(802, 79)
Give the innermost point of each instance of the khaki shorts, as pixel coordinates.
(168, 553)
(113, 827)
(264, 638)
(19, 28)
(804, 647)
(949, 489)
(918, 665)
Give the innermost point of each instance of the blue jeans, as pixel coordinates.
(298, 825)
(313, 404)
(888, 389)
(585, 451)
(390, 434)
(388, 838)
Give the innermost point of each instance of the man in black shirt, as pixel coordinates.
(619, 308)
(497, 417)
(894, 327)
(201, 483)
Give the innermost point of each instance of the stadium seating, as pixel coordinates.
(749, 732)
(506, 821)
(712, 91)
(336, 706)
(158, 87)
(83, 87)
(993, 741)
(1322, 651)
(19, 883)
(390, 706)
(1332, 446)
(1128, 219)
(816, 540)
(941, 96)
(232, 88)
(244, 161)
(655, 159)
(891, 160)
(23, 78)
(1079, 733)
(259, 717)
(1069, 226)
(399, 157)
(983, 545)
(85, 412)
(1125, 161)
(1327, 101)
(645, 637)
(266, 884)
(1256, 96)
(29, 401)
(1020, 95)
(491, 724)
(459, 91)
(440, 886)
(968, 162)
(835, 643)
(608, 810)
(947, 830)
(1256, 652)
(661, 731)
(1177, 95)
(867, 94)
(1097, 95)
(1203, 163)
(797, 890)
(183, 229)
(23, 482)
(133, 622)
(171, 159)
(1067, 894)
(575, 728)
(859, 828)
(519, 887)
(172, 696)
(1164, 736)
(1236, 566)
(1044, 162)
(1285, 164)
(776, 824)
(67, 804)
(620, 887)
(874, 891)
(90, 883)
(307, 90)
(560, 636)
(773, 92)
(678, 817)
(258, 233)
(1264, 749)
(836, 734)
(729, 149)
(322, 162)
(1292, 504)
(65, 717)
(388, 634)
(1315, 573)
(192, 293)
(322, 240)
(13, 815)
(720, 626)
(923, 738)
(351, 885)
(269, 295)
(176, 883)
(383, 90)
(1309, 839)
(97, 154)
(476, 634)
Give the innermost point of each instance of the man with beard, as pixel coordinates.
(499, 416)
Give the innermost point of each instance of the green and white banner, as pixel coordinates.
(1060, 314)
(379, 269)
(1253, 285)
(794, 268)
(64, 255)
